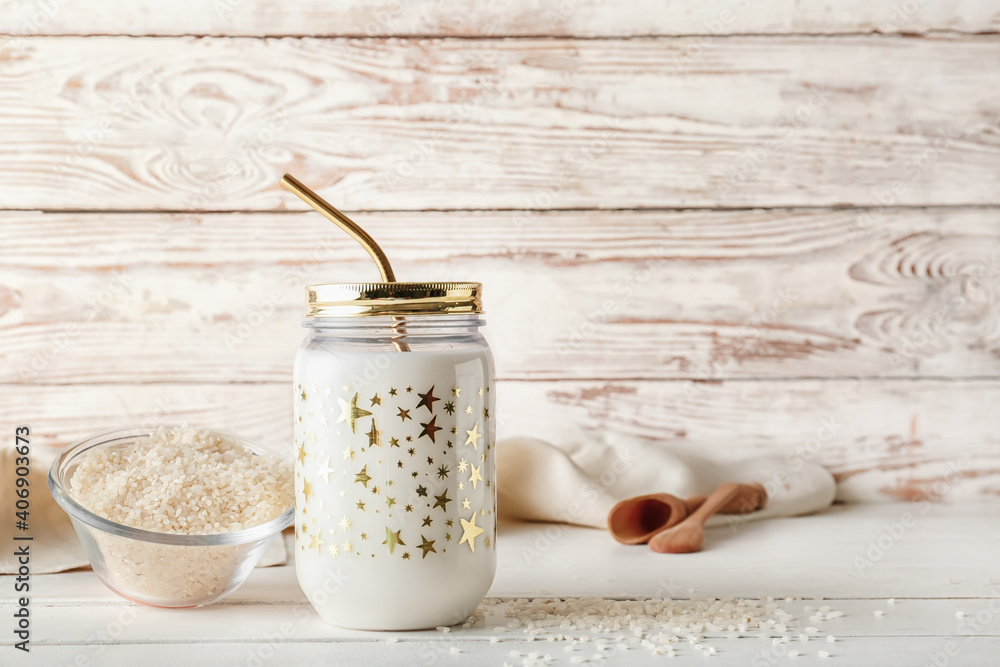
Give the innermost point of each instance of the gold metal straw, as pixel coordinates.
(327, 210)
(324, 207)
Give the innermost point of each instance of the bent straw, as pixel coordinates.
(328, 211)
(324, 208)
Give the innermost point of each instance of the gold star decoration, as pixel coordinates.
(475, 476)
(350, 412)
(406, 555)
(486, 413)
(390, 501)
(375, 400)
(306, 489)
(325, 470)
(303, 395)
(404, 415)
(427, 546)
(360, 506)
(468, 409)
(408, 508)
(449, 407)
(409, 390)
(442, 501)
(427, 400)
(422, 491)
(461, 486)
(449, 523)
(480, 391)
(486, 541)
(332, 549)
(345, 523)
(474, 436)
(442, 472)
(362, 477)
(392, 539)
(348, 454)
(374, 436)
(394, 442)
(463, 465)
(430, 428)
(465, 504)
(392, 391)
(447, 536)
(315, 542)
(347, 547)
(455, 391)
(427, 521)
(302, 453)
(470, 532)
(364, 536)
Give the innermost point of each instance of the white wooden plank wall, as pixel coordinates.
(719, 223)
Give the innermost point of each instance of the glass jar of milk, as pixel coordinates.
(395, 512)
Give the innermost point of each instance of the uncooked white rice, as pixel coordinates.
(184, 480)
(187, 481)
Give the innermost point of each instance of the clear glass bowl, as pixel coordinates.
(161, 569)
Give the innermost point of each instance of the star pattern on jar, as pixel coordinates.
(351, 413)
(422, 483)
(470, 531)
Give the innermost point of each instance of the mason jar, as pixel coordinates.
(395, 482)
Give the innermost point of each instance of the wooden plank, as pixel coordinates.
(971, 650)
(584, 18)
(376, 124)
(78, 621)
(884, 439)
(619, 295)
(230, 623)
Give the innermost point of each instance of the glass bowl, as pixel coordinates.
(162, 569)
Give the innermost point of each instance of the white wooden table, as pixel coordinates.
(944, 561)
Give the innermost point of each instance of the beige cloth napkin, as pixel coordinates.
(580, 479)
(55, 546)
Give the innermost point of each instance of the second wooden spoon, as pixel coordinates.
(689, 534)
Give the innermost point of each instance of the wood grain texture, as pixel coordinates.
(883, 439)
(582, 18)
(376, 124)
(613, 295)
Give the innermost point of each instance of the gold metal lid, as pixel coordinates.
(393, 299)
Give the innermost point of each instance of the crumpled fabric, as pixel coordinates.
(578, 480)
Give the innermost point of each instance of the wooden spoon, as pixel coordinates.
(689, 534)
(750, 498)
(636, 520)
